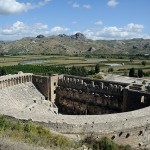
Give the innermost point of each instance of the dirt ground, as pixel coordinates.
(7, 144)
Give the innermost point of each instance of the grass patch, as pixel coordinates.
(38, 135)
(31, 133)
(103, 144)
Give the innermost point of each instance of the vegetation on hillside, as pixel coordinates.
(103, 144)
(38, 135)
(74, 44)
(31, 133)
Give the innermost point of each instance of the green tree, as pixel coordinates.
(2, 72)
(140, 73)
(84, 72)
(78, 71)
(97, 68)
(91, 72)
(131, 72)
(110, 69)
(144, 63)
(73, 70)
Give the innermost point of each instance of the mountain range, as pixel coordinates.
(74, 44)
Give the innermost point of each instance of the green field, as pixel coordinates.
(88, 63)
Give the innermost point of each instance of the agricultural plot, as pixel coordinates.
(120, 66)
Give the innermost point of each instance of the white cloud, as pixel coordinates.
(58, 30)
(74, 22)
(40, 26)
(98, 22)
(87, 6)
(127, 32)
(112, 3)
(19, 30)
(134, 27)
(8, 7)
(75, 5)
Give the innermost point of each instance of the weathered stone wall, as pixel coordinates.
(72, 101)
(76, 95)
(53, 84)
(92, 85)
(135, 99)
(42, 83)
(125, 128)
(11, 80)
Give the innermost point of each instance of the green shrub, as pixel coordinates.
(30, 127)
(41, 131)
(103, 144)
(31, 133)
(62, 141)
(98, 76)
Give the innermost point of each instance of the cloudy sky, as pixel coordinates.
(97, 19)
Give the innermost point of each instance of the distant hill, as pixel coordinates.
(74, 44)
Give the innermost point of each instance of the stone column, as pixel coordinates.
(3, 84)
(92, 84)
(0, 85)
(125, 100)
(30, 78)
(8, 82)
(24, 79)
(12, 81)
(17, 80)
(27, 78)
(101, 85)
(119, 88)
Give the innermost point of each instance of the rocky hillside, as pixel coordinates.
(74, 44)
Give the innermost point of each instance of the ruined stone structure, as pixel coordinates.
(118, 110)
(11, 80)
(76, 95)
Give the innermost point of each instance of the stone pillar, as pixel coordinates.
(115, 88)
(70, 79)
(3, 84)
(24, 79)
(92, 84)
(12, 81)
(110, 87)
(17, 80)
(101, 85)
(0, 84)
(64, 78)
(74, 80)
(9, 82)
(21, 79)
(125, 100)
(30, 78)
(119, 88)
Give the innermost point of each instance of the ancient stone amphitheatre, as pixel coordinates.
(80, 106)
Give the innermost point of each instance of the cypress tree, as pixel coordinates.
(140, 73)
(97, 68)
(131, 72)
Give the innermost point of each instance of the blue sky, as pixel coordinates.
(97, 19)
